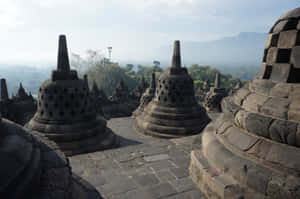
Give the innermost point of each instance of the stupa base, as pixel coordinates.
(234, 164)
(82, 138)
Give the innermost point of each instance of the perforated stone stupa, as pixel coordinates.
(66, 111)
(20, 108)
(173, 112)
(33, 167)
(253, 149)
(212, 100)
(146, 97)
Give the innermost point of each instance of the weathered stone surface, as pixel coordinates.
(174, 111)
(276, 107)
(254, 102)
(295, 57)
(281, 90)
(287, 39)
(280, 72)
(253, 151)
(258, 124)
(272, 54)
(67, 112)
(213, 98)
(283, 131)
(29, 163)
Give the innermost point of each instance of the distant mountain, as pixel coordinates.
(31, 77)
(244, 49)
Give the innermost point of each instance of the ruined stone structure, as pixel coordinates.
(121, 103)
(173, 112)
(253, 149)
(33, 167)
(121, 93)
(66, 111)
(146, 97)
(212, 100)
(201, 92)
(235, 88)
(140, 89)
(19, 108)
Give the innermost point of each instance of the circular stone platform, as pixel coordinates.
(252, 150)
(66, 111)
(173, 112)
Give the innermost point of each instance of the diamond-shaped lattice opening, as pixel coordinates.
(283, 55)
(291, 25)
(294, 76)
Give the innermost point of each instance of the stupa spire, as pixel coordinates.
(217, 80)
(152, 85)
(4, 93)
(63, 58)
(176, 59)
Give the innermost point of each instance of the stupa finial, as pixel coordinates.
(217, 80)
(153, 83)
(176, 59)
(63, 58)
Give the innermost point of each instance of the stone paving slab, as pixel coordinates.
(143, 167)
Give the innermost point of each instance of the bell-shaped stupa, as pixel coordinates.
(33, 167)
(66, 111)
(212, 100)
(146, 97)
(253, 148)
(173, 112)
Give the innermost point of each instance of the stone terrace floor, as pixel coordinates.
(143, 167)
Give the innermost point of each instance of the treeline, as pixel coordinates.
(107, 76)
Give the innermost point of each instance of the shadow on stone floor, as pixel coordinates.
(124, 142)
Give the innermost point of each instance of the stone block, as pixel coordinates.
(295, 57)
(254, 102)
(258, 124)
(146, 180)
(284, 157)
(260, 149)
(222, 129)
(226, 187)
(279, 26)
(280, 72)
(281, 90)
(240, 119)
(238, 138)
(287, 39)
(272, 55)
(283, 131)
(240, 95)
(258, 178)
(276, 107)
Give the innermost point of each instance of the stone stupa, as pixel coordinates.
(66, 111)
(146, 97)
(252, 151)
(33, 167)
(173, 112)
(19, 108)
(212, 100)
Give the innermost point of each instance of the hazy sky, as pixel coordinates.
(29, 29)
